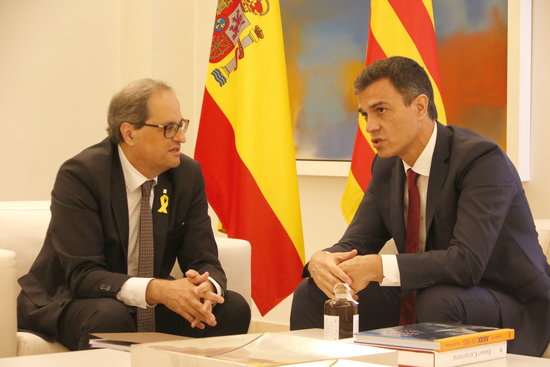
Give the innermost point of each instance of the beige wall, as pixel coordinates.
(63, 59)
(538, 188)
(57, 71)
(61, 62)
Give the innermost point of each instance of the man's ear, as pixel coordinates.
(127, 132)
(421, 104)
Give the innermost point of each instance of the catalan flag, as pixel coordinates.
(397, 28)
(246, 148)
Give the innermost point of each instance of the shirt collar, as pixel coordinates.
(132, 177)
(424, 162)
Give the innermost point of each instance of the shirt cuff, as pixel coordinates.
(216, 285)
(132, 292)
(390, 269)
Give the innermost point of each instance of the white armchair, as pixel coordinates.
(23, 227)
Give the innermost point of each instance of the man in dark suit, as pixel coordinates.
(478, 260)
(85, 278)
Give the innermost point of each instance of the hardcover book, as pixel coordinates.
(451, 358)
(433, 336)
(269, 349)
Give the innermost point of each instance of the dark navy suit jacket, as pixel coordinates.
(480, 230)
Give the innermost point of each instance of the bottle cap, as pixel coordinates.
(344, 291)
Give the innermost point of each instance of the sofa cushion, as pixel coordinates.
(24, 225)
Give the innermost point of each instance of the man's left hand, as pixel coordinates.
(363, 270)
(191, 297)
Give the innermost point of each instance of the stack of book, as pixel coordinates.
(439, 345)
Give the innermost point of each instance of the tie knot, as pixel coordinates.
(146, 188)
(411, 177)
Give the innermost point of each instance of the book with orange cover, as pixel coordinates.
(433, 336)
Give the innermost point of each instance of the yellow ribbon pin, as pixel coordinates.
(163, 202)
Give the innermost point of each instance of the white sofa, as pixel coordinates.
(23, 227)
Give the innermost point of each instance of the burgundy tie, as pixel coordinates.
(408, 312)
(146, 317)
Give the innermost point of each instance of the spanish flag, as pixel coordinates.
(397, 28)
(246, 148)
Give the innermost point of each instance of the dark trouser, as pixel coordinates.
(85, 316)
(379, 307)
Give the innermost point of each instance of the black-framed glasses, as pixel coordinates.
(170, 129)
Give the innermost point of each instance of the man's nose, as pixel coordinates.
(180, 137)
(372, 124)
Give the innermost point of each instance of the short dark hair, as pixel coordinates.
(406, 75)
(131, 105)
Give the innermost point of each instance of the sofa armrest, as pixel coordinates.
(235, 257)
(8, 295)
(23, 229)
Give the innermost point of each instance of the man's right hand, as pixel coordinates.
(185, 298)
(323, 268)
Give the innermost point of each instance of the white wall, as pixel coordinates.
(63, 59)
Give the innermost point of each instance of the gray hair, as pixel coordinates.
(406, 75)
(131, 105)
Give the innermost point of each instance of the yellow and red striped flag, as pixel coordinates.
(246, 148)
(397, 28)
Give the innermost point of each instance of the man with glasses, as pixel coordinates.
(131, 193)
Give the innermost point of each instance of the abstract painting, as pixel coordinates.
(325, 44)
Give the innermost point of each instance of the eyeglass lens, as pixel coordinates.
(171, 129)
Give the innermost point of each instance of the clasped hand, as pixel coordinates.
(327, 269)
(191, 297)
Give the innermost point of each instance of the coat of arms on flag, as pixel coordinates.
(231, 21)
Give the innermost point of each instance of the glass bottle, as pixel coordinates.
(341, 319)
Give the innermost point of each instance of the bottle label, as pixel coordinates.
(332, 327)
(355, 323)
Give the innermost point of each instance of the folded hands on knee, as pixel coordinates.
(192, 297)
(357, 271)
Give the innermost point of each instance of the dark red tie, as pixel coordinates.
(408, 312)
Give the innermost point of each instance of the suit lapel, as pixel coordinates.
(438, 172)
(119, 201)
(161, 212)
(396, 204)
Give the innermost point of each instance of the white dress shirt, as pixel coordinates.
(132, 292)
(422, 166)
